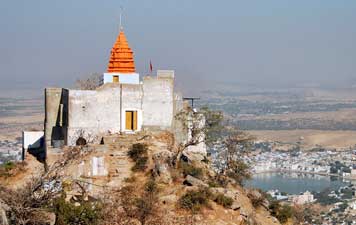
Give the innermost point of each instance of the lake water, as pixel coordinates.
(293, 183)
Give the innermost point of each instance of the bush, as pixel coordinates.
(141, 164)
(9, 165)
(191, 170)
(223, 200)
(151, 187)
(195, 200)
(130, 179)
(141, 207)
(285, 213)
(26, 204)
(218, 181)
(281, 212)
(239, 171)
(10, 168)
(86, 213)
(138, 153)
(257, 200)
(213, 184)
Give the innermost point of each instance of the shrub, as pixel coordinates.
(281, 212)
(151, 187)
(205, 160)
(130, 179)
(239, 171)
(213, 184)
(137, 151)
(141, 164)
(9, 165)
(26, 204)
(191, 170)
(195, 200)
(223, 200)
(218, 181)
(285, 213)
(67, 213)
(142, 207)
(10, 168)
(257, 200)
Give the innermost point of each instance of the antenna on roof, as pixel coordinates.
(121, 10)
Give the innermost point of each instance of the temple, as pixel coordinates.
(123, 103)
(121, 67)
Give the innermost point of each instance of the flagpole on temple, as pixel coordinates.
(151, 68)
(121, 9)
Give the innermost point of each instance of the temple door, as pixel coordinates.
(129, 118)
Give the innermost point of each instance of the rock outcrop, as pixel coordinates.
(3, 209)
(161, 166)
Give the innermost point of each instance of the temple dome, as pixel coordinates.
(121, 59)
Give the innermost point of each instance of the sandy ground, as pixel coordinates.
(309, 138)
(11, 127)
(348, 115)
(32, 170)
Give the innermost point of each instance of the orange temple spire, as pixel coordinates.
(121, 59)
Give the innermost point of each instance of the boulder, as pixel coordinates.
(244, 213)
(255, 194)
(190, 180)
(193, 157)
(233, 194)
(190, 188)
(235, 205)
(195, 153)
(161, 169)
(169, 199)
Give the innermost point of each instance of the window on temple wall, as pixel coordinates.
(131, 120)
(115, 79)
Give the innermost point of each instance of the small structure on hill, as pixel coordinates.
(123, 103)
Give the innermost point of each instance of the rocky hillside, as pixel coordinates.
(132, 179)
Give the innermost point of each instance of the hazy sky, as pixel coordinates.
(53, 42)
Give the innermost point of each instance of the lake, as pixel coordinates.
(294, 183)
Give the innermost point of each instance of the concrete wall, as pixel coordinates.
(132, 101)
(178, 126)
(165, 74)
(124, 78)
(32, 140)
(56, 110)
(93, 112)
(158, 102)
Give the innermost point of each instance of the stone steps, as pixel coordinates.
(121, 139)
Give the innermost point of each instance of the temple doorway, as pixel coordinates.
(131, 120)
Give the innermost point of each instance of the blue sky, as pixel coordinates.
(263, 43)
